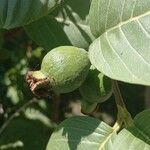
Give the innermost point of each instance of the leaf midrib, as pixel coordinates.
(106, 140)
(126, 22)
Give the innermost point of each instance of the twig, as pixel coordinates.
(56, 104)
(34, 100)
(117, 94)
(123, 115)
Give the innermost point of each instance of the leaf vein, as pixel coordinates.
(107, 12)
(122, 10)
(133, 47)
(63, 140)
(134, 4)
(105, 58)
(120, 58)
(144, 30)
(128, 21)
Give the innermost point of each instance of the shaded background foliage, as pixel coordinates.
(32, 126)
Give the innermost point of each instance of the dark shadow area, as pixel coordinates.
(134, 97)
(81, 7)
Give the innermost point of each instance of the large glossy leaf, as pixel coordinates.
(16, 13)
(68, 26)
(80, 133)
(47, 33)
(122, 50)
(136, 137)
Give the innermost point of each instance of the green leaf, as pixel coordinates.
(111, 14)
(16, 13)
(29, 131)
(68, 26)
(43, 34)
(122, 50)
(96, 88)
(80, 133)
(25, 134)
(137, 136)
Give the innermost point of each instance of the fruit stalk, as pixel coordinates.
(123, 115)
(117, 94)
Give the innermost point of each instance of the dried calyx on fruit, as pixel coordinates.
(97, 88)
(63, 70)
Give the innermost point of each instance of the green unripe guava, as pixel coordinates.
(63, 70)
(96, 88)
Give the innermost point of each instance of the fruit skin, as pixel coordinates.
(96, 88)
(65, 68)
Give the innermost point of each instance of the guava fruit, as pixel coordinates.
(63, 70)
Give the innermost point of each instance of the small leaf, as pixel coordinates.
(122, 50)
(80, 133)
(137, 136)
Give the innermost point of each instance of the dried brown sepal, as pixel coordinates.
(39, 86)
